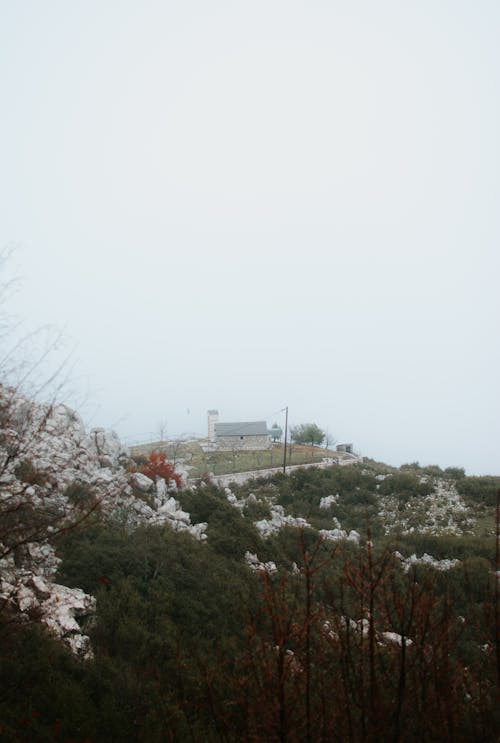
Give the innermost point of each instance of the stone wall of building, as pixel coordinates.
(245, 443)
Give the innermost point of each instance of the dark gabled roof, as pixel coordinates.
(250, 428)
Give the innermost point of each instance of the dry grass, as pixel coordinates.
(199, 462)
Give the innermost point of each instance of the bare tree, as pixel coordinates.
(329, 440)
(176, 448)
(162, 429)
(32, 508)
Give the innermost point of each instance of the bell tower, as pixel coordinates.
(213, 417)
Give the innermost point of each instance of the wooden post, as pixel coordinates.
(286, 434)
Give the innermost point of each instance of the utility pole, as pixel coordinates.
(286, 434)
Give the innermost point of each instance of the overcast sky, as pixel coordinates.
(247, 205)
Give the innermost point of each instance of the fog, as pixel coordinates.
(245, 206)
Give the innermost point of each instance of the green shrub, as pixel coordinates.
(80, 494)
(405, 485)
(482, 490)
(257, 510)
(28, 473)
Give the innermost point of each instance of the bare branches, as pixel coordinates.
(32, 505)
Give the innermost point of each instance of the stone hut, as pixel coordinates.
(247, 435)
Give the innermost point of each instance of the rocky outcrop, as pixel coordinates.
(106, 446)
(141, 482)
(53, 474)
(277, 521)
(254, 563)
(441, 511)
(29, 597)
(441, 565)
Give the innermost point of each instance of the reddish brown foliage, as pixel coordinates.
(157, 466)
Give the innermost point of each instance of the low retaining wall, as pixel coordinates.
(240, 478)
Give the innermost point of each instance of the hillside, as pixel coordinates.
(197, 459)
(329, 604)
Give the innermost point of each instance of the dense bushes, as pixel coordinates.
(229, 533)
(192, 645)
(480, 490)
(155, 562)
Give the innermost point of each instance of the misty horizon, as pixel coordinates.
(248, 207)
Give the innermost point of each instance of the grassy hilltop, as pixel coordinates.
(199, 460)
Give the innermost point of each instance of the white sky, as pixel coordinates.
(244, 205)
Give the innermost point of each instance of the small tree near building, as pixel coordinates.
(307, 433)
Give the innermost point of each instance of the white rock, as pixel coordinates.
(161, 490)
(253, 562)
(42, 589)
(182, 516)
(26, 599)
(105, 444)
(328, 500)
(395, 638)
(427, 560)
(198, 530)
(103, 477)
(266, 527)
(80, 645)
(143, 509)
(141, 482)
(333, 534)
(63, 605)
(170, 506)
(105, 460)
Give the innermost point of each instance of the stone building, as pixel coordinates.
(346, 448)
(248, 435)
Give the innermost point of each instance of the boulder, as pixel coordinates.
(161, 491)
(41, 588)
(141, 482)
(182, 516)
(106, 444)
(26, 599)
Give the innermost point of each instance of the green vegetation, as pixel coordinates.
(478, 490)
(341, 642)
(308, 433)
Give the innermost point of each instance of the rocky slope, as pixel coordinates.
(55, 475)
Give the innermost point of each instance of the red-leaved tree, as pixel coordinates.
(157, 466)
